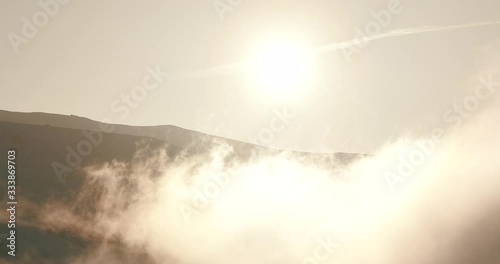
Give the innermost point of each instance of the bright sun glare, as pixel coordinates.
(281, 69)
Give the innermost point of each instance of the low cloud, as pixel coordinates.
(280, 208)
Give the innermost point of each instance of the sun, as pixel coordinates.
(280, 69)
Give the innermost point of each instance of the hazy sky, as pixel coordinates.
(91, 52)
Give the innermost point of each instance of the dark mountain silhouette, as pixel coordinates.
(42, 140)
(173, 135)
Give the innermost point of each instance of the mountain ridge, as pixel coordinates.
(178, 136)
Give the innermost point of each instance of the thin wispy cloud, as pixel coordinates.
(234, 67)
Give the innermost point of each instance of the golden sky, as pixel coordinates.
(90, 53)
